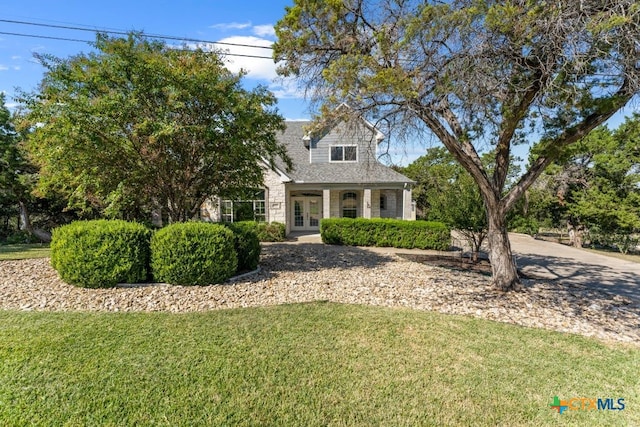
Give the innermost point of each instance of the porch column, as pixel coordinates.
(406, 203)
(326, 203)
(366, 203)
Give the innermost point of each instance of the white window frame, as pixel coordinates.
(343, 146)
(259, 207)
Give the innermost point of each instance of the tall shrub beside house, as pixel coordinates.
(102, 253)
(193, 253)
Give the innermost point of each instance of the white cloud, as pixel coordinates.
(264, 30)
(287, 89)
(3, 67)
(16, 57)
(16, 68)
(257, 62)
(231, 26)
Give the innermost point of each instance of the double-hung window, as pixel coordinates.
(344, 153)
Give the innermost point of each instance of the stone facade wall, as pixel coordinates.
(335, 204)
(375, 203)
(210, 210)
(391, 210)
(276, 198)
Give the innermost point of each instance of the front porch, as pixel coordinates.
(306, 207)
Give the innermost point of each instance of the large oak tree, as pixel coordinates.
(139, 125)
(477, 74)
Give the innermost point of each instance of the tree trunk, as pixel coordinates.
(25, 224)
(505, 274)
(25, 221)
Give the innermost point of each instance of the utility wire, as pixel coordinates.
(156, 36)
(36, 36)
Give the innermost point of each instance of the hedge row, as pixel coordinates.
(103, 253)
(385, 232)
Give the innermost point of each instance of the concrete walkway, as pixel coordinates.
(566, 264)
(553, 261)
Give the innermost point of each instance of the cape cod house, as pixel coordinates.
(335, 174)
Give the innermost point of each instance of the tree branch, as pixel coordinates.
(554, 147)
(511, 120)
(462, 150)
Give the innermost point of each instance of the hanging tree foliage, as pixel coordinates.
(476, 74)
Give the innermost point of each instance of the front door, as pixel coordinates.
(306, 213)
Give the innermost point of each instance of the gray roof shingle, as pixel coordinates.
(364, 172)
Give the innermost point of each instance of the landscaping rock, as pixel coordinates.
(294, 273)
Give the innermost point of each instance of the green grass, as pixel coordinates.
(615, 254)
(24, 251)
(302, 365)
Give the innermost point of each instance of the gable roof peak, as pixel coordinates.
(342, 113)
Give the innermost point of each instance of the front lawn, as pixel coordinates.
(24, 251)
(306, 365)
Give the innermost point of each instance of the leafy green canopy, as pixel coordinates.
(596, 184)
(17, 173)
(138, 125)
(445, 192)
(15, 169)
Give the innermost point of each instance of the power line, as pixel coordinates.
(156, 36)
(37, 36)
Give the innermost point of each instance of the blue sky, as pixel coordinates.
(244, 22)
(236, 21)
(241, 21)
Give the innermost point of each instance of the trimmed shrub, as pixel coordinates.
(271, 231)
(102, 253)
(193, 253)
(385, 232)
(246, 244)
(267, 231)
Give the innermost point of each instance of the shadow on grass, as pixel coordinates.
(24, 251)
(21, 247)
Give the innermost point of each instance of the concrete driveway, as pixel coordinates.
(570, 265)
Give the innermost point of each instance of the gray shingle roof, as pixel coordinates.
(364, 172)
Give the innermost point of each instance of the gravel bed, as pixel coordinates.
(292, 273)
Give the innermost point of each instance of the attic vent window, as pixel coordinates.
(344, 153)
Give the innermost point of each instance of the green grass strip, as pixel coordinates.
(24, 251)
(310, 364)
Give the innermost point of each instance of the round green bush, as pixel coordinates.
(193, 253)
(247, 245)
(102, 253)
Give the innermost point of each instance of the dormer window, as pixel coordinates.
(344, 153)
